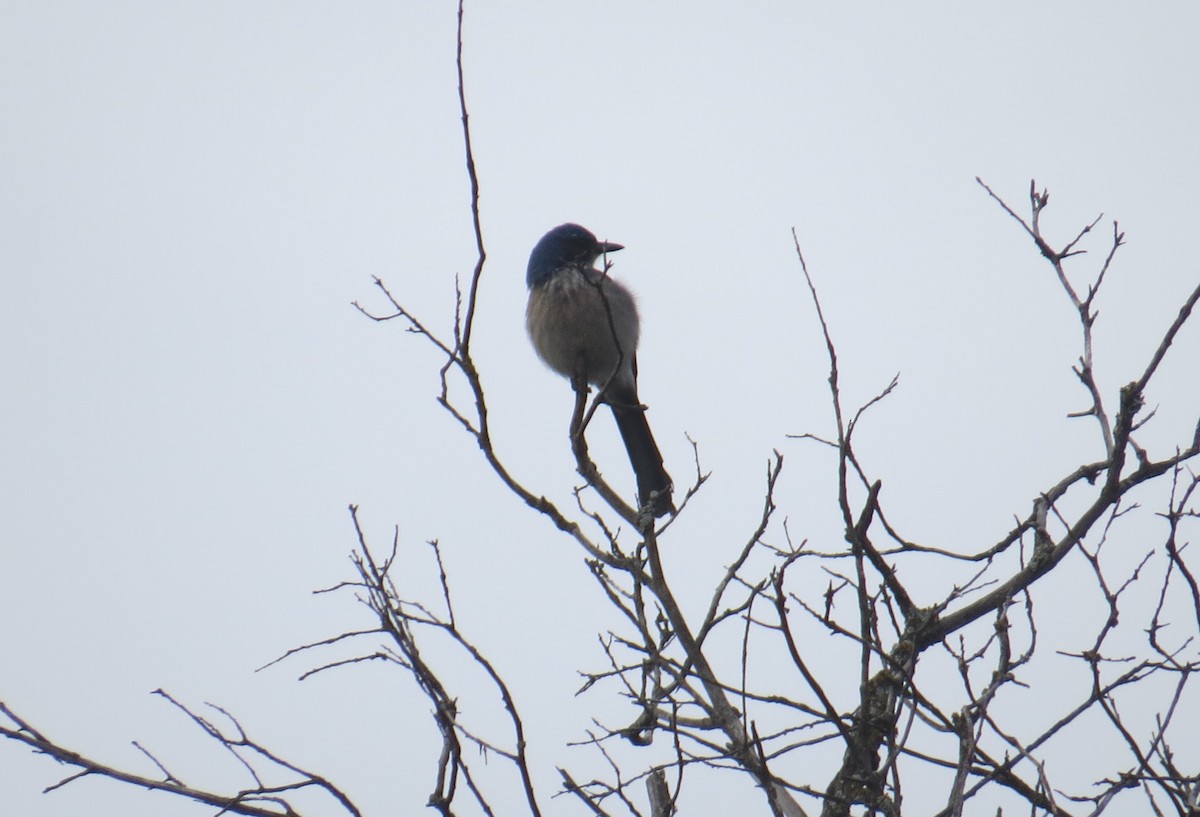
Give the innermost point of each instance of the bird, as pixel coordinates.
(583, 324)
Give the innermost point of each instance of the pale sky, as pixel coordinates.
(192, 194)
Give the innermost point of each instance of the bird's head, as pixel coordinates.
(567, 245)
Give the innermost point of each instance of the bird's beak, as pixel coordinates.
(608, 246)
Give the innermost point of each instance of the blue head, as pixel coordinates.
(567, 245)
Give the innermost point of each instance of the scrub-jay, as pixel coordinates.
(584, 324)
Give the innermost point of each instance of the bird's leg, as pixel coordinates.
(579, 382)
(579, 448)
(579, 421)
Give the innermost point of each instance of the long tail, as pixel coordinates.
(643, 455)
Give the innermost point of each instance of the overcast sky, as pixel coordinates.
(192, 195)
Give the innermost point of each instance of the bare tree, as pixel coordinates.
(911, 690)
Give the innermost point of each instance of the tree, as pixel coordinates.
(910, 696)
